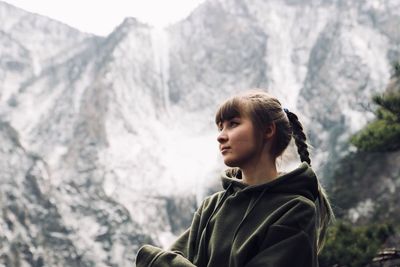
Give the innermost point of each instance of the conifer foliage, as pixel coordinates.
(353, 246)
(383, 134)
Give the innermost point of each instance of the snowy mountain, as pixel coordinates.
(109, 142)
(28, 44)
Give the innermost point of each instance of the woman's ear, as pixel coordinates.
(270, 131)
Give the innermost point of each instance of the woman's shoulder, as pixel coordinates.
(293, 203)
(211, 201)
(213, 198)
(302, 201)
(296, 211)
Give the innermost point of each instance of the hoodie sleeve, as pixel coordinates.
(177, 255)
(291, 241)
(149, 256)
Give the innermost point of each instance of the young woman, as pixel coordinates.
(263, 217)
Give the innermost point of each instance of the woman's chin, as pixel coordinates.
(230, 162)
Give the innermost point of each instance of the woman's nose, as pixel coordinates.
(222, 137)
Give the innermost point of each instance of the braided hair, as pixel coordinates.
(299, 136)
(324, 209)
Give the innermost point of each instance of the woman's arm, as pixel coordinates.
(177, 255)
(149, 256)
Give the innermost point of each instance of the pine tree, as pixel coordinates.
(353, 246)
(383, 134)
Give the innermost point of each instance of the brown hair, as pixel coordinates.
(264, 109)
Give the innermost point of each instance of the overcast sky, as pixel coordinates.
(102, 16)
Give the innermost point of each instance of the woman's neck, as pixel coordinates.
(262, 172)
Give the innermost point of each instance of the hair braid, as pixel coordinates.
(324, 208)
(299, 137)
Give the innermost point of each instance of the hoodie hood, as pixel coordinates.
(301, 181)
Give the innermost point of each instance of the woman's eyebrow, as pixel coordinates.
(228, 119)
(235, 118)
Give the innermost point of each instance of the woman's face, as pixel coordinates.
(238, 141)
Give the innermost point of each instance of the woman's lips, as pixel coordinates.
(224, 149)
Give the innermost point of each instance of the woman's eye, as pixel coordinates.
(233, 124)
(228, 124)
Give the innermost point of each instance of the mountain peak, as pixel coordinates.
(130, 23)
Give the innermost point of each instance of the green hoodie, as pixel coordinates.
(270, 224)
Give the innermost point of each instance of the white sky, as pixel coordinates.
(102, 16)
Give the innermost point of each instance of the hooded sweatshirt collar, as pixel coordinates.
(301, 181)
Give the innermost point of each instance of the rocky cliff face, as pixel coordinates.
(122, 126)
(29, 219)
(46, 225)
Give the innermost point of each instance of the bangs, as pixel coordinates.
(230, 109)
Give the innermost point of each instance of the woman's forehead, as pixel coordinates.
(238, 117)
(230, 110)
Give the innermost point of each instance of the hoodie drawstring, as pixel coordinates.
(252, 205)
